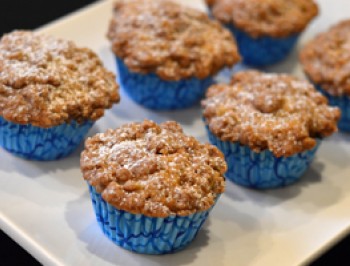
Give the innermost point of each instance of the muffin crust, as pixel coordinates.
(171, 40)
(269, 111)
(46, 81)
(274, 18)
(326, 59)
(155, 170)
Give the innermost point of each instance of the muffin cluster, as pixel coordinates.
(152, 186)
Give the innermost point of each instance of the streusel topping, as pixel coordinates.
(269, 111)
(171, 40)
(46, 81)
(275, 18)
(155, 170)
(326, 59)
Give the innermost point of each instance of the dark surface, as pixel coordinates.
(12, 254)
(29, 14)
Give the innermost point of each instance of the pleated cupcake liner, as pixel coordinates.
(262, 170)
(42, 144)
(143, 234)
(154, 93)
(262, 51)
(343, 102)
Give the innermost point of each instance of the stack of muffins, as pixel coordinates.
(152, 187)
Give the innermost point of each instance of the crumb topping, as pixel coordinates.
(269, 111)
(46, 81)
(275, 18)
(326, 59)
(155, 170)
(171, 40)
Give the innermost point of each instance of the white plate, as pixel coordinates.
(45, 206)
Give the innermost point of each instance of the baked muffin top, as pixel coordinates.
(326, 59)
(269, 111)
(155, 170)
(46, 81)
(173, 41)
(275, 18)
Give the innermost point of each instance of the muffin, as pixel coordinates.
(51, 92)
(269, 127)
(152, 187)
(166, 53)
(266, 30)
(326, 63)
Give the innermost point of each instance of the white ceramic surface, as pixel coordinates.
(45, 206)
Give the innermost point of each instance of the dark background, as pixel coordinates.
(30, 14)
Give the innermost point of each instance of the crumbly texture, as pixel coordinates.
(171, 40)
(326, 59)
(269, 111)
(275, 18)
(46, 81)
(155, 170)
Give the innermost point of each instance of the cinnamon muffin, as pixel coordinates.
(269, 126)
(266, 30)
(326, 62)
(167, 53)
(51, 92)
(152, 187)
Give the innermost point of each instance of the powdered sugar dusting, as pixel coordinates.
(47, 81)
(174, 41)
(269, 111)
(326, 59)
(154, 169)
(276, 18)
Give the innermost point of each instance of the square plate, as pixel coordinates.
(46, 208)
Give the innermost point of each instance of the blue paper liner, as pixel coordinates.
(264, 50)
(42, 144)
(343, 102)
(154, 93)
(143, 234)
(262, 170)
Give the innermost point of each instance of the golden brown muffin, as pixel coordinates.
(46, 81)
(171, 40)
(155, 170)
(326, 59)
(274, 18)
(269, 111)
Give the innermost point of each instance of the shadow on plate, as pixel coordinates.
(312, 193)
(336, 150)
(84, 225)
(128, 111)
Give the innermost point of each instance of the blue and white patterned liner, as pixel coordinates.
(152, 92)
(42, 144)
(262, 51)
(262, 170)
(143, 234)
(343, 102)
